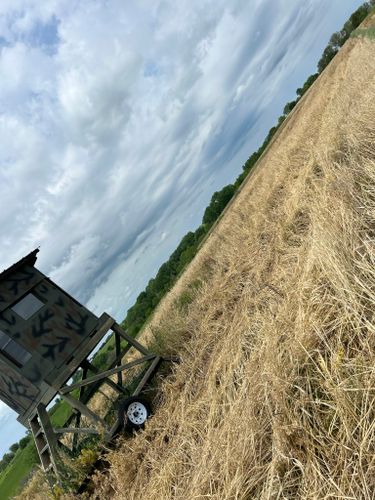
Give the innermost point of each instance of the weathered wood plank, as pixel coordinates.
(74, 403)
(107, 381)
(78, 418)
(116, 328)
(147, 375)
(76, 430)
(118, 352)
(51, 440)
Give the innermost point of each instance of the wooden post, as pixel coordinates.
(118, 352)
(49, 452)
(116, 328)
(78, 418)
(75, 430)
(147, 375)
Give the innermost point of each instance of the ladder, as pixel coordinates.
(45, 439)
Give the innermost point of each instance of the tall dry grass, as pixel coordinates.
(275, 394)
(274, 323)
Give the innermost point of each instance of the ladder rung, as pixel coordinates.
(44, 449)
(35, 424)
(44, 438)
(47, 466)
(38, 433)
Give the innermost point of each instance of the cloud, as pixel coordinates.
(4, 411)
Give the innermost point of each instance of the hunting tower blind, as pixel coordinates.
(45, 336)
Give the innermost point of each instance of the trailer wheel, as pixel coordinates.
(134, 412)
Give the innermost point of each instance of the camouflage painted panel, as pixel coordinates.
(36, 369)
(16, 391)
(17, 284)
(57, 329)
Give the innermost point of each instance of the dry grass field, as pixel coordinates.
(274, 323)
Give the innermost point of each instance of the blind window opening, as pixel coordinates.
(27, 306)
(13, 351)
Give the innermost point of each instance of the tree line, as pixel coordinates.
(8, 457)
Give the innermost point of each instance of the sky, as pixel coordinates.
(118, 121)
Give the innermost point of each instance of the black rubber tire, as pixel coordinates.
(124, 420)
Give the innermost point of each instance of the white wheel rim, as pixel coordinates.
(137, 413)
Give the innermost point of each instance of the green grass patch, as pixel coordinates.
(17, 472)
(364, 32)
(60, 413)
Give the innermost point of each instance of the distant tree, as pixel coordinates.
(14, 447)
(289, 106)
(187, 255)
(100, 360)
(240, 179)
(328, 54)
(217, 204)
(7, 458)
(309, 81)
(23, 442)
(251, 161)
(338, 39)
(359, 15)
